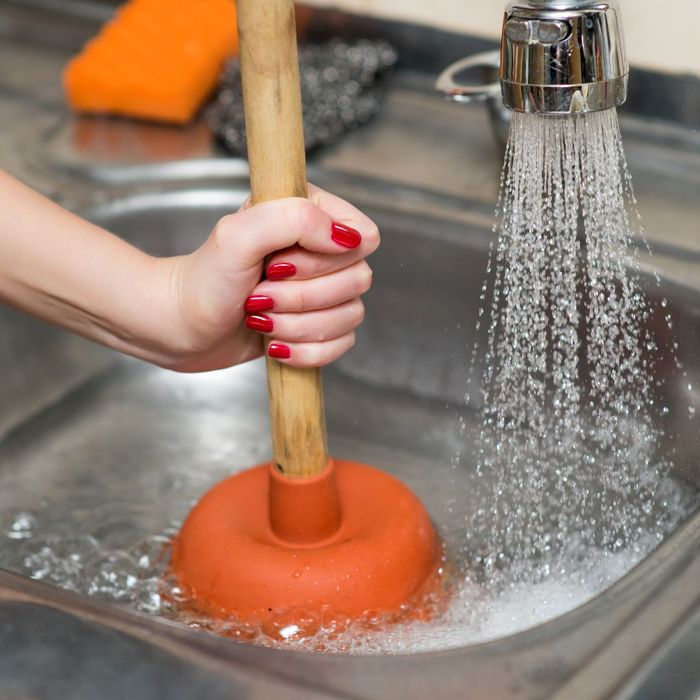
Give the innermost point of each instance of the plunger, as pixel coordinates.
(304, 533)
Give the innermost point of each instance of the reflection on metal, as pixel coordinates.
(165, 411)
(488, 64)
(563, 57)
(488, 61)
(556, 58)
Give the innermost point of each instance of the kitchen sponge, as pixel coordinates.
(156, 60)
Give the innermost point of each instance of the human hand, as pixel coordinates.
(309, 305)
(201, 311)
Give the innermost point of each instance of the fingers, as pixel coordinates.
(297, 296)
(309, 306)
(310, 322)
(311, 354)
(303, 223)
(310, 327)
(306, 264)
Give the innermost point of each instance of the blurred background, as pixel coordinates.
(665, 41)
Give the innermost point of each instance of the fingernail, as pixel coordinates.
(279, 351)
(258, 302)
(345, 235)
(280, 271)
(259, 322)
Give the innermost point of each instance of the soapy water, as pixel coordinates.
(575, 489)
(138, 578)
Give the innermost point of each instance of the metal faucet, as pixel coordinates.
(557, 57)
(563, 57)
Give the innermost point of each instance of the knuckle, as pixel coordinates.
(222, 229)
(343, 345)
(372, 237)
(293, 298)
(303, 302)
(295, 330)
(359, 313)
(364, 277)
(312, 355)
(302, 216)
(319, 355)
(318, 267)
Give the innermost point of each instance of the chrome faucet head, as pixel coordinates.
(563, 56)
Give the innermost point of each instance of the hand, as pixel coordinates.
(309, 305)
(201, 311)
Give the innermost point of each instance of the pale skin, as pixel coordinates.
(187, 313)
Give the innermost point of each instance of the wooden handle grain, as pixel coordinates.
(275, 134)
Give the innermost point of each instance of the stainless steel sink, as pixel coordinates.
(94, 443)
(102, 444)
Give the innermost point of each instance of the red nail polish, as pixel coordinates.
(280, 271)
(345, 235)
(279, 351)
(258, 302)
(259, 322)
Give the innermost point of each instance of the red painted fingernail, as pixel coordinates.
(259, 322)
(279, 351)
(345, 235)
(258, 302)
(280, 271)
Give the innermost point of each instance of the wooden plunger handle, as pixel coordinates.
(275, 134)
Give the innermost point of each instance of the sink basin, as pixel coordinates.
(101, 445)
(101, 456)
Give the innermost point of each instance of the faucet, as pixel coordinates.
(563, 57)
(557, 57)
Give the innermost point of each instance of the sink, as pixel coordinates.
(104, 455)
(94, 443)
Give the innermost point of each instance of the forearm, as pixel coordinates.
(69, 272)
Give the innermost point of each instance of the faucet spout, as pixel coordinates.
(563, 56)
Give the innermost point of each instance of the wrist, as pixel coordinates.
(150, 326)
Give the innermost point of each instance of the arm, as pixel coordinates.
(189, 313)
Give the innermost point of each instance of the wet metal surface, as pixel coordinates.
(137, 433)
(68, 406)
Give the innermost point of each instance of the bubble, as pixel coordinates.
(19, 525)
(115, 577)
(151, 555)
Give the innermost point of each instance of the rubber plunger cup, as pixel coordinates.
(352, 539)
(303, 533)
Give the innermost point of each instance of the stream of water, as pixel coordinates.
(569, 434)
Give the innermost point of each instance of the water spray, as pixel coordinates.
(566, 384)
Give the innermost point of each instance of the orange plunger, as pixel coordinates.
(305, 533)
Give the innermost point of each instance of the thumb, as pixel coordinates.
(251, 234)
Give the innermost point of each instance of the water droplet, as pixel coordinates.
(21, 525)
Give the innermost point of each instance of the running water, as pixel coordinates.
(575, 486)
(568, 442)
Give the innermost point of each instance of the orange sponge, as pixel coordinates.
(157, 60)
